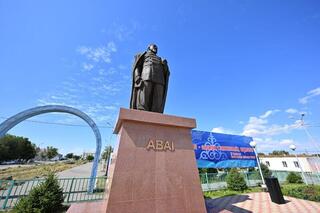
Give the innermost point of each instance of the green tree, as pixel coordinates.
(51, 152)
(43, 154)
(107, 152)
(235, 181)
(16, 148)
(265, 170)
(90, 158)
(279, 152)
(47, 197)
(4, 149)
(76, 157)
(26, 150)
(69, 155)
(294, 178)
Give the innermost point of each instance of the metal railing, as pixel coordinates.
(216, 181)
(74, 190)
(312, 178)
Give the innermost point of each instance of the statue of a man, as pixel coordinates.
(150, 77)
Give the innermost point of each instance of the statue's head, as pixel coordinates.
(153, 48)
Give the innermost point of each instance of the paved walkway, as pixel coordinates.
(260, 202)
(80, 171)
(247, 203)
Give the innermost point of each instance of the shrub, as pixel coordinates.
(202, 170)
(294, 178)
(69, 155)
(90, 158)
(76, 157)
(306, 192)
(235, 181)
(47, 197)
(265, 170)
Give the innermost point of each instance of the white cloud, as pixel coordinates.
(99, 109)
(123, 32)
(269, 144)
(286, 142)
(110, 88)
(55, 97)
(259, 126)
(222, 130)
(112, 47)
(266, 132)
(311, 94)
(96, 92)
(98, 54)
(87, 66)
(292, 111)
(268, 113)
(42, 102)
(110, 107)
(254, 126)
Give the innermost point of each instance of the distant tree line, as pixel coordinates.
(107, 152)
(47, 153)
(72, 156)
(22, 149)
(275, 153)
(16, 148)
(279, 152)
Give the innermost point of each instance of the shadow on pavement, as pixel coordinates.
(226, 203)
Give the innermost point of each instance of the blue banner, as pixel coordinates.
(216, 150)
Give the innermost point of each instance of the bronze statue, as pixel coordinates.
(150, 77)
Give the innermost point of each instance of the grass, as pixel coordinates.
(30, 172)
(227, 192)
(302, 191)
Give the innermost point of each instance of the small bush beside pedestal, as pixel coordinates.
(47, 197)
(235, 181)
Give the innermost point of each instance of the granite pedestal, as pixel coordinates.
(155, 168)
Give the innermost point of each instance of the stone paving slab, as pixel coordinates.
(247, 203)
(260, 202)
(88, 207)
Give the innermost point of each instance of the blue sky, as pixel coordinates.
(241, 67)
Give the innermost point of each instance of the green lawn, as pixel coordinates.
(227, 192)
(302, 191)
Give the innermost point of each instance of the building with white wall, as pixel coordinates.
(290, 163)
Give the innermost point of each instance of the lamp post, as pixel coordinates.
(253, 144)
(293, 148)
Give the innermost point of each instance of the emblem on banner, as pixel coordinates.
(214, 154)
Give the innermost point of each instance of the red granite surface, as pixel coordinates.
(152, 181)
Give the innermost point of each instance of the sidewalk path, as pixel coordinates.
(79, 171)
(260, 202)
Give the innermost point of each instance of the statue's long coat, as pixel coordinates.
(138, 63)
